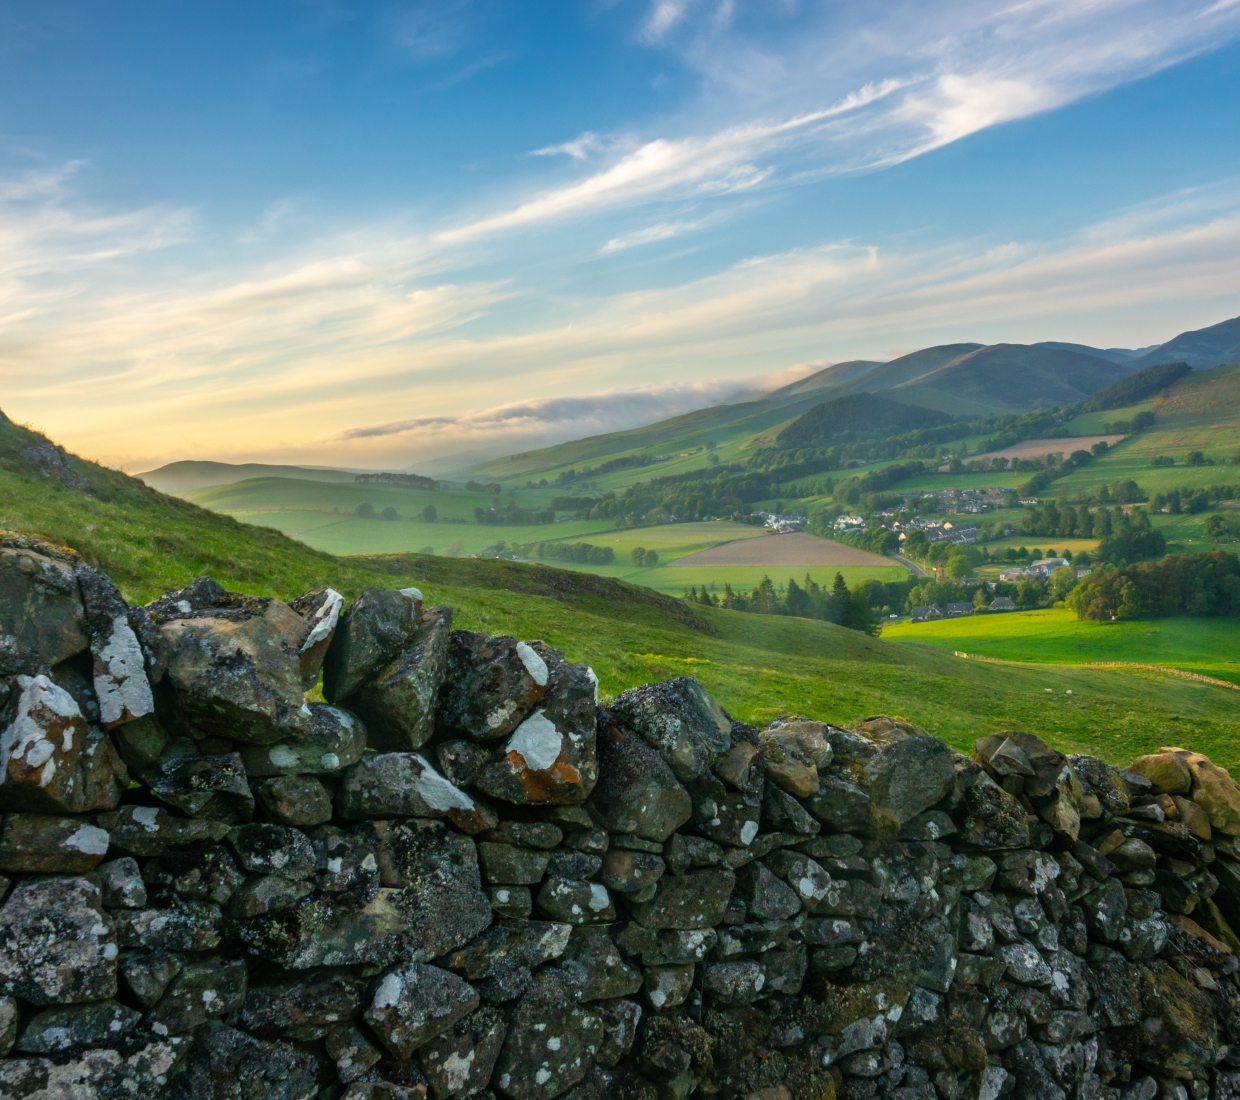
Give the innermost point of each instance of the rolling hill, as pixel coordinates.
(185, 477)
(857, 416)
(1200, 349)
(757, 666)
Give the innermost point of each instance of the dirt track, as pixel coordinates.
(798, 549)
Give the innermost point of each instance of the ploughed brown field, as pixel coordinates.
(1040, 448)
(798, 549)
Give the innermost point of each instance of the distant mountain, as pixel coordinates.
(978, 380)
(855, 417)
(835, 375)
(184, 477)
(1115, 355)
(1200, 349)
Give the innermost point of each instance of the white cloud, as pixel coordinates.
(664, 231)
(579, 148)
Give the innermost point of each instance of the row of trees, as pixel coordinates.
(857, 608)
(582, 553)
(1179, 584)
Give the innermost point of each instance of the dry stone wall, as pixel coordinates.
(461, 876)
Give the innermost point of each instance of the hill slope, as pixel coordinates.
(185, 477)
(757, 666)
(1200, 349)
(857, 416)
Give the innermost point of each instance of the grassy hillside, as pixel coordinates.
(184, 477)
(1202, 348)
(757, 666)
(1210, 647)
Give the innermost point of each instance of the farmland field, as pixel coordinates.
(1209, 647)
(785, 551)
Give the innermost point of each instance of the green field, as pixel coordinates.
(1209, 647)
(757, 666)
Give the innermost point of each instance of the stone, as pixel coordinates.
(637, 792)
(510, 944)
(187, 926)
(783, 812)
(1167, 771)
(575, 901)
(56, 944)
(840, 805)
(596, 967)
(792, 752)
(205, 989)
(678, 719)
(78, 1027)
(332, 740)
(505, 864)
(320, 612)
(53, 760)
(434, 903)
(150, 830)
(212, 787)
(353, 1052)
(1104, 782)
(49, 844)
(459, 1062)
(377, 626)
(233, 668)
(690, 902)
(273, 850)
(526, 834)
(667, 948)
(908, 777)
(551, 757)
(148, 974)
(511, 901)
(765, 896)
(295, 800)
(415, 1003)
(733, 766)
(121, 686)
(42, 621)
(1024, 964)
(122, 885)
(96, 1075)
(398, 703)
(628, 872)
(227, 1064)
(668, 986)
(551, 1043)
(1216, 793)
(1027, 872)
(393, 784)
(493, 685)
(739, 940)
(308, 1005)
(992, 818)
(9, 1017)
(621, 1018)
(1195, 819)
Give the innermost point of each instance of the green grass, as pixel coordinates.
(1210, 647)
(757, 666)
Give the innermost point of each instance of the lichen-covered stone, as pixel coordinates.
(551, 1044)
(575, 901)
(227, 1064)
(186, 926)
(415, 1003)
(398, 703)
(205, 989)
(234, 668)
(376, 627)
(688, 902)
(56, 944)
(147, 974)
(151, 830)
(493, 685)
(53, 760)
(458, 1063)
(320, 611)
(212, 787)
(122, 885)
(908, 777)
(332, 740)
(793, 749)
(551, 757)
(680, 720)
(637, 792)
(119, 665)
(42, 621)
(393, 784)
(97, 1075)
(295, 800)
(49, 844)
(303, 1005)
(78, 1027)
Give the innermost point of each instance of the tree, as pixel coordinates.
(638, 556)
(652, 558)
(364, 511)
(388, 513)
(429, 514)
(1061, 582)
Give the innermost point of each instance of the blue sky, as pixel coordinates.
(382, 234)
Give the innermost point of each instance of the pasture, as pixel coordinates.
(1209, 647)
